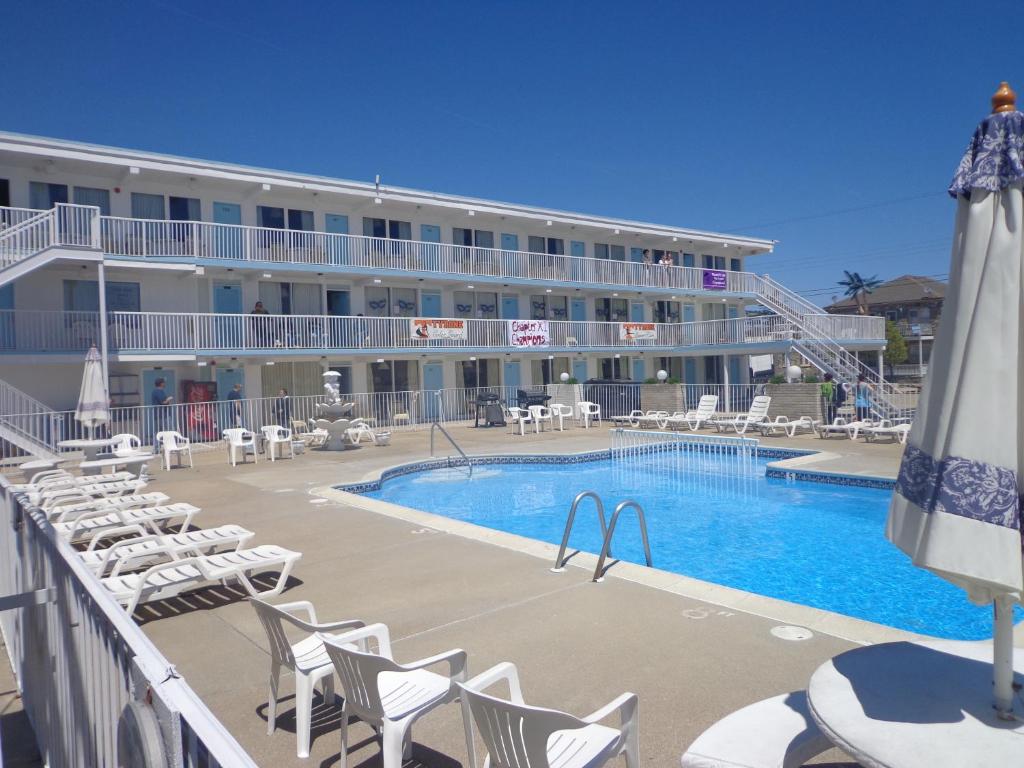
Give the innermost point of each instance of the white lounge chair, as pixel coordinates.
(386, 694)
(544, 738)
(522, 418)
(588, 413)
(632, 419)
(88, 524)
(165, 580)
(850, 430)
(362, 429)
(48, 497)
(886, 428)
(541, 414)
(775, 733)
(653, 419)
(560, 412)
(60, 478)
(758, 414)
(306, 659)
(242, 441)
(696, 419)
(276, 439)
(789, 427)
(144, 548)
(173, 443)
(66, 510)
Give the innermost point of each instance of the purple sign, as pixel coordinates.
(714, 280)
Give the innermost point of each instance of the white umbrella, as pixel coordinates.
(92, 409)
(957, 506)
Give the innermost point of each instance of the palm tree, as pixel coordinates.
(858, 288)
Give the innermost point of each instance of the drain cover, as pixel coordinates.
(792, 633)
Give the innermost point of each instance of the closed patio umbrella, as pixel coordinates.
(92, 410)
(957, 506)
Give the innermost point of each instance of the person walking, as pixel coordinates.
(160, 401)
(235, 404)
(282, 408)
(862, 402)
(828, 399)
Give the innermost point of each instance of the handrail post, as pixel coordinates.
(451, 440)
(560, 559)
(606, 547)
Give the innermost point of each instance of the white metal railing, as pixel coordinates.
(24, 233)
(204, 240)
(31, 330)
(79, 658)
(11, 217)
(30, 431)
(27, 237)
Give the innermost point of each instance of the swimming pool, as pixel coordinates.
(810, 543)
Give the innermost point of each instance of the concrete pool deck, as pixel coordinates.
(693, 656)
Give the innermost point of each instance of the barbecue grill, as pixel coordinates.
(533, 397)
(487, 405)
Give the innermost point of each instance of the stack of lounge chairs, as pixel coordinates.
(141, 545)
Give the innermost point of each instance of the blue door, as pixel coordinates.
(511, 376)
(734, 312)
(337, 247)
(734, 370)
(231, 414)
(578, 310)
(430, 235)
(227, 300)
(579, 370)
(433, 382)
(509, 261)
(510, 307)
(430, 304)
(639, 369)
(689, 313)
(636, 311)
(227, 241)
(158, 419)
(7, 340)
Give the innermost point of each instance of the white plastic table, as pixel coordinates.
(90, 448)
(141, 461)
(916, 705)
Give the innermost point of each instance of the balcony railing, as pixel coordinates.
(205, 240)
(39, 331)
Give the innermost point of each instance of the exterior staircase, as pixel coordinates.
(29, 239)
(812, 340)
(27, 426)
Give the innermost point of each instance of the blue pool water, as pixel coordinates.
(815, 544)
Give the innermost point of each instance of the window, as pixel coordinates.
(400, 230)
(666, 311)
(395, 376)
(479, 373)
(612, 310)
(483, 239)
(395, 230)
(709, 261)
(270, 217)
(547, 371)
(536, 244)
(613, 367)
(538, 308)
(184, 208)
(612, 252)
(390, 302)
(147, 206)
(673, 366)
(44, 196)
(84, 296)
(689, 260)
(301, 221)
(5, 193)
(736, 265)
(90, 196)
(720, 262)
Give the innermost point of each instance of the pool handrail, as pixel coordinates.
(560, 561)
(437, 425)
(606, 547)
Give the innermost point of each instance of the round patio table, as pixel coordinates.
(90, 447)
(916, 705)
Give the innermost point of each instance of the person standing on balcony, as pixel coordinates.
(665, 262)
(863, 398)
(648, 261)
(260, 330)
(159, 400)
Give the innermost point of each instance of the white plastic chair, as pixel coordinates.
(173, 443)
(126, 445)
(757, 415)
(240, 440)
(276, 439)
(520, 417)
(560, 411)
(387, 694)
(306, 659)
(589, 413)
(517, 734)
(540, 414)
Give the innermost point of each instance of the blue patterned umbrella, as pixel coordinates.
(957, 506)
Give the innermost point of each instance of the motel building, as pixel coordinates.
(160, 261)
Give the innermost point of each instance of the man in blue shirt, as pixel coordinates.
(235, 396)
(159, 399)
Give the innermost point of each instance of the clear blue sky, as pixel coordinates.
(834, 128)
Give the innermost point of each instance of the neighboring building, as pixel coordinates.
(914, 303)
(186, 248)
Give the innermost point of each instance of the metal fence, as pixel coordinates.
(79, 658)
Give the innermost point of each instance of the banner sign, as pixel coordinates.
(714, 280)
(528, 333)
(631, 331)
(436, 328)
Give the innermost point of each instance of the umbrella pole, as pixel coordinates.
(1003, 657)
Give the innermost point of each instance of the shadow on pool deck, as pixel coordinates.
(577, 644)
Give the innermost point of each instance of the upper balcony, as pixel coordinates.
(236, 246)
(155, 334)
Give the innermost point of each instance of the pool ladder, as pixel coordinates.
(451, 440)
(607, 531)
